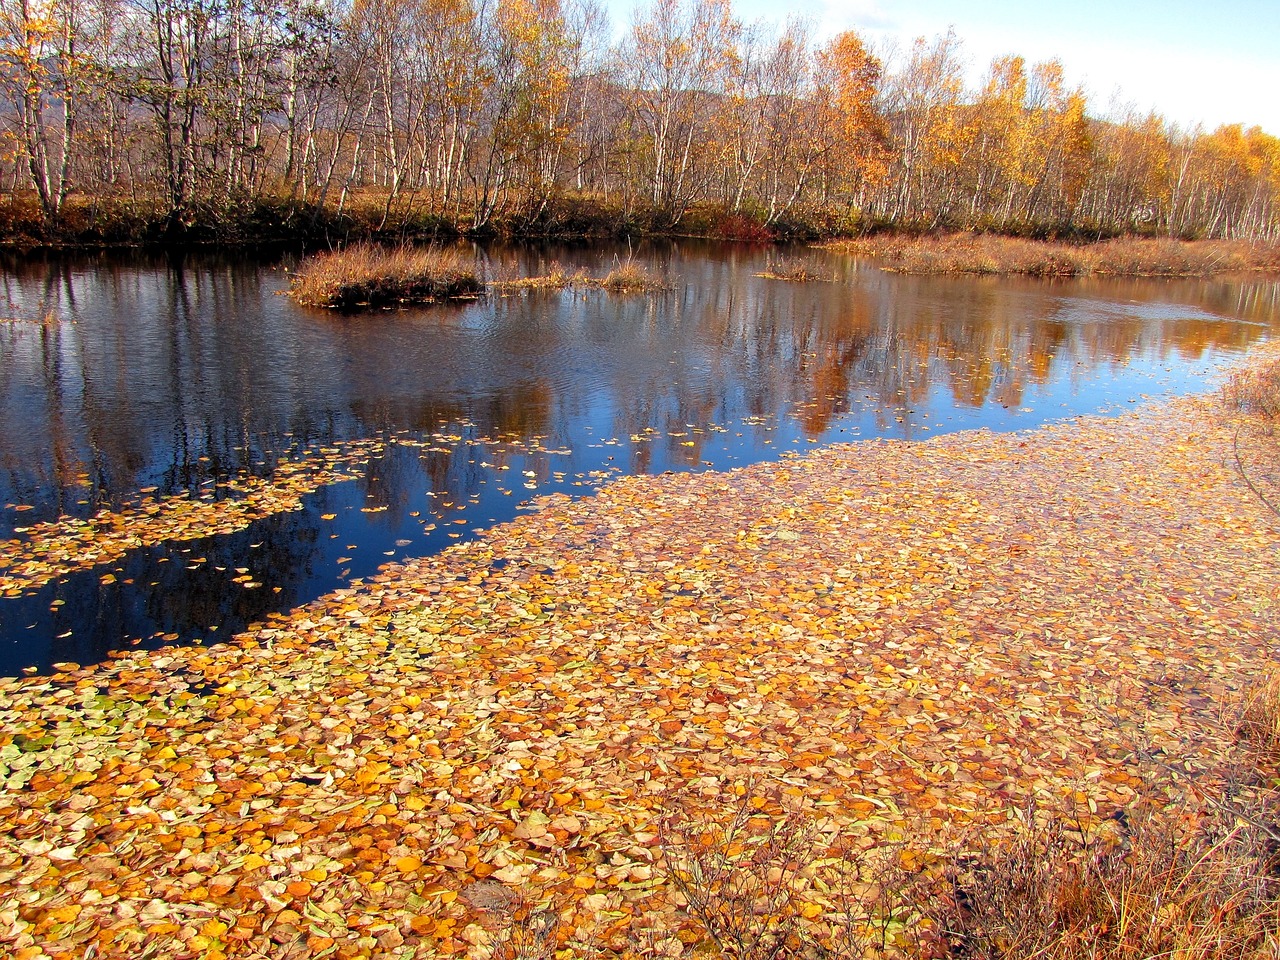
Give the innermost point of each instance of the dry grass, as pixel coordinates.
(791, 269)
(1190, 871)
(557, 278)
(997, 255)
(628, 277)
(1255, 390)
(366, 275)
(1259, 725)
(631, 277)
(1185, 881)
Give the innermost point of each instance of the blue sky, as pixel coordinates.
(1194, 61)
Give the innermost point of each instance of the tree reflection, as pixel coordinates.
(184, 372)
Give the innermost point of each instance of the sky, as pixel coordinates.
(1206, 62)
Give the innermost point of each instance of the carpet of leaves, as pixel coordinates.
(896, 636)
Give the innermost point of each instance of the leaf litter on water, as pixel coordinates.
(894, 635)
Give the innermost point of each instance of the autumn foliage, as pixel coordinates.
(228, 119)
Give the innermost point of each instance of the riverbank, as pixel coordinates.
(92, 223)
(277, 222)
(902, 640)
(992, 254)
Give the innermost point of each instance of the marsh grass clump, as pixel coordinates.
(365, 275)
(631, 277)
(972, 253)
(626, 277)
(556, 278)
(793, 270)
(1194, 880)
(1255, 392)
(1190, 869)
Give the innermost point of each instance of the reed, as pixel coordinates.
(365, 275)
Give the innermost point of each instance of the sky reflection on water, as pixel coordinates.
(150, 378)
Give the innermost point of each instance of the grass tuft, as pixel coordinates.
(793, 270)
(631, 277)
(1255, 391)
(1190, 870)
(365, 275)
(1169, 882)
(557, 278)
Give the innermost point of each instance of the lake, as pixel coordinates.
(164, 394)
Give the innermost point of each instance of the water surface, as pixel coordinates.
(126, 379)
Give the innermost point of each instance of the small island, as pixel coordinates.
(364, 276)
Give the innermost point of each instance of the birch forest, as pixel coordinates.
(538, 116)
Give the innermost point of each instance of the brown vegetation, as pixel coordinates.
(1130, 257)
(557, 278)
(1259, 724)
(631, 277)
(1255, 390)
(365, 275)
(792, 269)
(628, 277)
(1190, 870)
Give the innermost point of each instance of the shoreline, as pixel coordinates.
(901, 248)
(895, 634)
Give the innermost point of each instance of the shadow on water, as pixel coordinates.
(125, 379)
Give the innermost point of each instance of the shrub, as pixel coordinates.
(739, 226)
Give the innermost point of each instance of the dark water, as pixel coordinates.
(152, 377)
